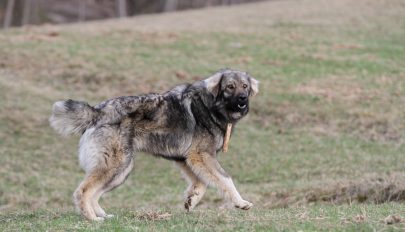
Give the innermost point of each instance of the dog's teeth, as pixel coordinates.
(242, 107)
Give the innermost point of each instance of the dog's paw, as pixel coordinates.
(245, 205)
(109, 216)
(188, 204)
(98, 219)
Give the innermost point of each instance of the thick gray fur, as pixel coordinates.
(186, 124)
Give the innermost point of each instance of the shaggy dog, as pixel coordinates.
(187, 125)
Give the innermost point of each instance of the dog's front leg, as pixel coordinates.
(196, 188)
(206, 167)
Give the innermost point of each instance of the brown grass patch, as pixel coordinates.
(46, 36)
(375, 189)
(350, 14)
(152, 216)
(393, 219)
(374, 127)
(355, 109)
(336, 88)
(159, 38)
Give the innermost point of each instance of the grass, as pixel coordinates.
(313, 218)
(322, 148)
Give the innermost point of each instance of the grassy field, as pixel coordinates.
(323, 147)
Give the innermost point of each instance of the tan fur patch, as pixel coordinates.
(195, 158)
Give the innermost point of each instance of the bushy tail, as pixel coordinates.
(72, 117)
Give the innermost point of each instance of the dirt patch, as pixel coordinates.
(152, 216)
(46, 36)
(373, 127)
(375, 189)
(336, 105)
(393, 219)
(159, 38)
(336, 88)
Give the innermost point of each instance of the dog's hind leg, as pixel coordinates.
(105, 177)
(96, 207)
(107, 162)
(196, 188)
(97, 183)
(114, 178)
(117, 176)
(83, 195)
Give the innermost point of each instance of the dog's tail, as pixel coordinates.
(72, 117)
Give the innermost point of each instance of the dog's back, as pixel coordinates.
(75, 117)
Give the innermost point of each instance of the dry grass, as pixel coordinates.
(258, 17)
(326, 129)
(368, 189)
(152, 216)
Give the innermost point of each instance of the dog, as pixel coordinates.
(186, 125)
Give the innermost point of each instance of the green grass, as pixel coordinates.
(312, 218)
(323, 143)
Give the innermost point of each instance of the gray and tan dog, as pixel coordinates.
(186, 125)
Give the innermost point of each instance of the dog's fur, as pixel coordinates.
(186, 125)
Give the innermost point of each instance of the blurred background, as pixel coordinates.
(322, 148)
(25, 12)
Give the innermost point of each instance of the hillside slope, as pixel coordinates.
(327, 127)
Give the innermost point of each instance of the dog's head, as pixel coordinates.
(231, 90)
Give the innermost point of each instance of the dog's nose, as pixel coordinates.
(242, 98)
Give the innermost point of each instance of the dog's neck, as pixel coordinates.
(214, 113)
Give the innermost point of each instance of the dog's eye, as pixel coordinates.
(231, 87)
(244, 86)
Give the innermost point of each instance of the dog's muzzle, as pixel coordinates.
(242, 101)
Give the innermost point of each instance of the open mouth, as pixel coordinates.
(242, 106)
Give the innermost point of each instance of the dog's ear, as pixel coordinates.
(254, 86)
(213, 83)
